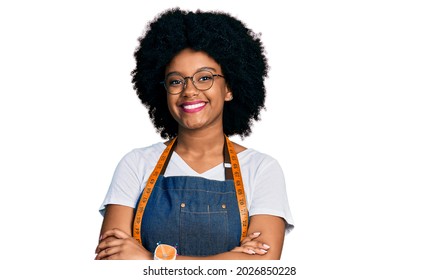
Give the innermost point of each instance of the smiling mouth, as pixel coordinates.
(193, 107)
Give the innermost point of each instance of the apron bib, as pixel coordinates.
(198, 216)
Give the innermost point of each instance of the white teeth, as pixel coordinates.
(193, 106)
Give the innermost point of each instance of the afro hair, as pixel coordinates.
(237, 49)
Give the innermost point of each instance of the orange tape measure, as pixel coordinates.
(239, 188)
(237, 178)
(148, 190)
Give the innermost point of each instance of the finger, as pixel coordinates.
(250, 237)
(256, 247)
(104, 240)
(109, 243)
(116, 233)
(251, 244)
(253, 250)
(101, 255)
(249, 250)
(256, 244)
(243, 250)
(107, 253)
(259, 251)
(254, 234)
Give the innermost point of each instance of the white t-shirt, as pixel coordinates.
(263, 179)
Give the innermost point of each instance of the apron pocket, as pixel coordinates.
(203, 233)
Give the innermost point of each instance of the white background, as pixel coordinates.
(352, 116)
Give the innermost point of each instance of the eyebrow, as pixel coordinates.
(207, 68)
(198, 70)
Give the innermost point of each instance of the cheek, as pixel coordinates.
(172, 107)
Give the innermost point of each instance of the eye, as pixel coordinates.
(174, 82)
(204, 78)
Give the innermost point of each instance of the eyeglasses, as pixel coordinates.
(202, 80)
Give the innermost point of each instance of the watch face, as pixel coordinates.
(165, 252)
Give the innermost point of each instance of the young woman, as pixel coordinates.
(201, 77)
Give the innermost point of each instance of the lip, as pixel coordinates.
(193, 106)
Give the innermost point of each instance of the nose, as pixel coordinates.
(189, 89)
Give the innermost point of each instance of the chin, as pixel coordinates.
(193, 125)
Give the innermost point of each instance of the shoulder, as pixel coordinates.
(152, 149)
(238, 148)
(258, 161)
(144, 154)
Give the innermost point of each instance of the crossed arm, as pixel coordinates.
(265, 240)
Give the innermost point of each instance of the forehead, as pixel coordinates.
(189, 61)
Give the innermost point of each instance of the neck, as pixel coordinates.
(200, 141)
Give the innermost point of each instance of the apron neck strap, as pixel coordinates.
(226, 153)
(227, 161)
(170, 148)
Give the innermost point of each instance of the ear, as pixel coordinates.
(229, 94)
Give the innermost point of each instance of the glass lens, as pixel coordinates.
(203, 80)
(174, 83)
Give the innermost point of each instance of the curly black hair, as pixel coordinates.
(237, 49)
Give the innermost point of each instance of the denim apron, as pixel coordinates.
(198, 216)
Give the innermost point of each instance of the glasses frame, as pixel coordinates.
(192, 79)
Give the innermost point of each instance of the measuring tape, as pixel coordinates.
(239, 189)
(148, 190)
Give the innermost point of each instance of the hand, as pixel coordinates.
(251, 246)
(116, 244)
